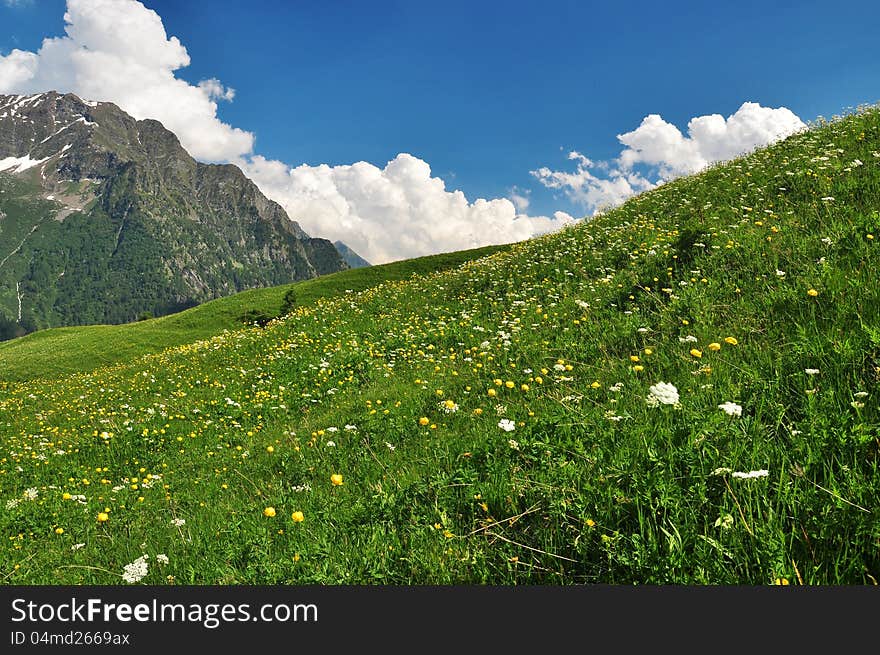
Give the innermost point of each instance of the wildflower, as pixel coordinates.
(137, 570)
(524, 387)
(507, 425)
(722, 470)
(731, 340)
(509, 384)
(336, 479)
(449, 406)
(762, 473)
(812, 293)
(270, 449)
(298, 517)
(269, 512)
(811, 371)
(102, 516)
(590, 523)
(76, 546)
(663, 392)
(696, 353)
(731, 409)
(59, 530)
(31, 493)
(595, 384)
(424, 420)
(514, 444)
(162, 558)
(331, 444)
(688, 339)
(638, 368)
(491, 393)
(178, 522)
(861, 394)
(714, 346)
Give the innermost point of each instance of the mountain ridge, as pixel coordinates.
(104, 218)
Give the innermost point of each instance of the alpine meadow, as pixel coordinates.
(681, 390)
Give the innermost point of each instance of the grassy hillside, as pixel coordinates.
(683, 390)
(59, 351)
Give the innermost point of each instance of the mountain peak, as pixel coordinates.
(191, 231)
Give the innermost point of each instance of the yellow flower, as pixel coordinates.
(524, 387)
(648, 351)
(812, 293)
(638, 367)
(590, 523)
(102, 516)
(424, 420)
(270, 449)
(509, 384)
(66, 496)
(59, 530)
(714, 346)
(492, 393)
(269, 512)
(539, 379)
(696, 353)
(731, 340)
(336, 479)
(595, 384)
(633, 358)
(298, 517)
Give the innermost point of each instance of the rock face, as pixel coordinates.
(104, 218)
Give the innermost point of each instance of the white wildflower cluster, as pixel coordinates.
(448, 406)
(137, 570)
(688, 339)
(761, 473)
(162, 558)
(662, 393)
(811, 371)
(301, 487)
(507, 425)
(731, 409)
(31, 493)
(178, 522)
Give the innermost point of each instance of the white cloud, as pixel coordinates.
(394, 212)
(667, 153)
(117, 50)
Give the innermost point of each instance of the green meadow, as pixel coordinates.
(683, 390)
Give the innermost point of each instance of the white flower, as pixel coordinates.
(811, 371)
(827, 241)
(162, 558)
(178, 522)
(558, 367)
(507, 425)
(857, 405)
(688, 339)
(513, 444)
(331, 444)
(721, 471)
(12, 503)
(642, 330)
(663, 392)
(861, 394)
(731, 409)
(31, 493)
(390, 446)
(780, 273)
(351, 428)
(616, 387)
(76, 546)
(332, 429)
(762, 473)
(137, 570)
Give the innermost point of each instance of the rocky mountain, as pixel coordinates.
(104, 218)
(351, 258)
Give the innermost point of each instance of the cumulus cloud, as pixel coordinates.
(666, 153)
(394, 212)
(118, 50)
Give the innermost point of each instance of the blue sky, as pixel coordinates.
(486, 92)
